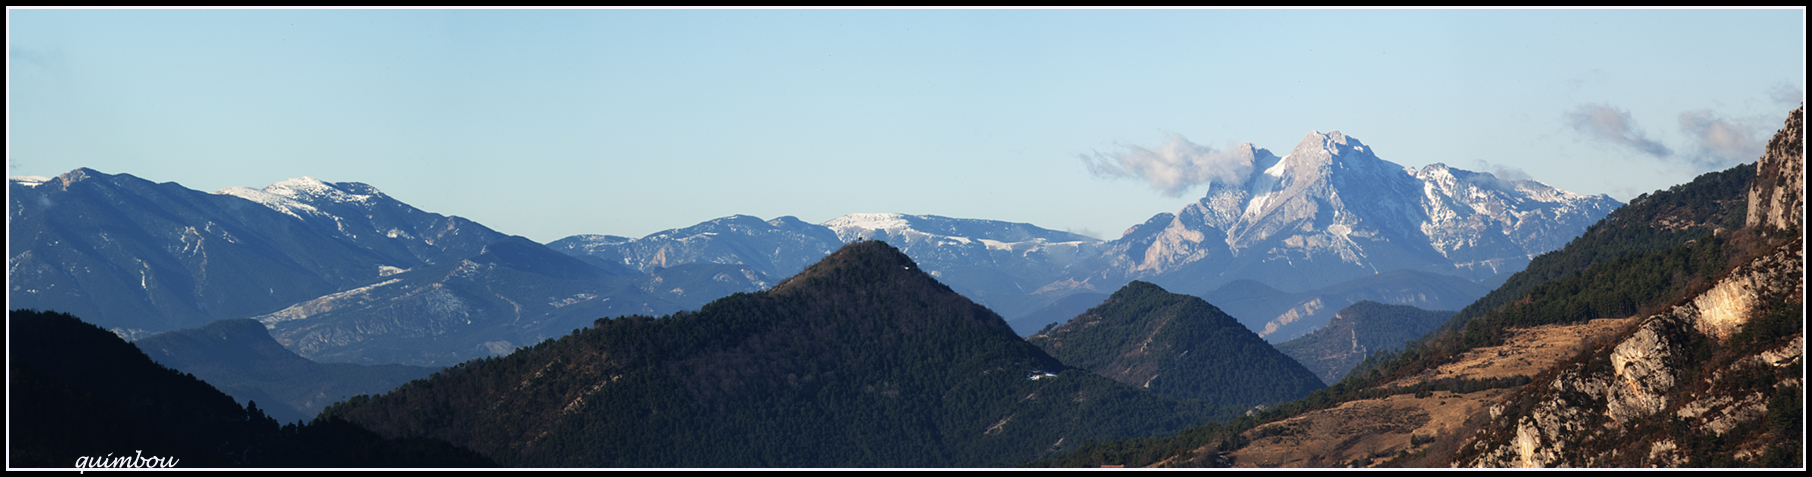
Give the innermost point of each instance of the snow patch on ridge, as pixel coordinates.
(29, 181)
(1263, 184)
(286, 205)
(298, 197)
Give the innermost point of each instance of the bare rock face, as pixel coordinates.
(1778, 198)
(1643, 368)
(1660, 394)
(1587, 403)
(1722, 311)
(1597, 403)
(1542, 435)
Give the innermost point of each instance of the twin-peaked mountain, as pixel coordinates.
(861, 360)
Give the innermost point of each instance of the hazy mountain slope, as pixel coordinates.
(512, 293)
(1056, 313)
(1178, 346)
(993, 262)
(861, 360)
(776, 248)
(1357, 331)
(1277, 316)
(240, 358)
(134, 255)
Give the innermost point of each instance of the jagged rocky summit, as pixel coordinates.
(1331, 210)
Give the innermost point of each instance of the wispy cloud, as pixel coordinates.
(1613, 124)
(1720, 141)
(1083, 231)
(1174, 167)
(1502, 176)
(1785, 94)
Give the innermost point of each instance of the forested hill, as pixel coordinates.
(861, 360)
(1177, 346)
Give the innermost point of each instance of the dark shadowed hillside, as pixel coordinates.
(75, 390)
(1177, 346)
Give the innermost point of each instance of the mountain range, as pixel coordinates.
(871, 357)
(350, 274)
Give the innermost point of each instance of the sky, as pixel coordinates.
(551, 123)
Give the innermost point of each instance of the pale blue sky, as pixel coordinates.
(549, 123)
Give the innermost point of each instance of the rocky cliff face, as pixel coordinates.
(1781, 202)
(1652, 388)
(1712, 381)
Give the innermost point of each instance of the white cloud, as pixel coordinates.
(1613, 124)
(1720, 141)
(1786, 94)
(1174, 167)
